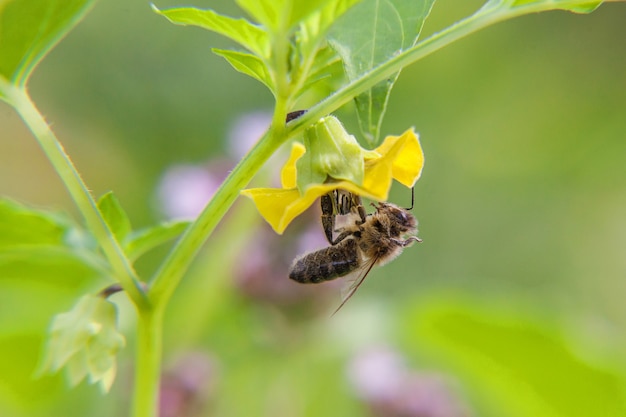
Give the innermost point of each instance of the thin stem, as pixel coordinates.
(79, 192)
(148, 362)
(176, 264)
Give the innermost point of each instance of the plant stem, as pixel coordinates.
(148, 362)
(180, 257)
(79, 192)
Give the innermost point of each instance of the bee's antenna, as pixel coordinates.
(412, 198)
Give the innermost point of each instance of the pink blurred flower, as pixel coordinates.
(390, 388)
(187, 386)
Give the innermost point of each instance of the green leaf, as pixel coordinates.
(247, 64)
(369, 34)
(36, 244)
(141, 241)
(280, 14)
(115, 216)
(329, 14)
(250, 36)
(20, 225)
(30, 28)
(517, 366)
(327, 73)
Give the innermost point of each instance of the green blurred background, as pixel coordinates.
(512, 305)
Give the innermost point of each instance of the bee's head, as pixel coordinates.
(401, 220)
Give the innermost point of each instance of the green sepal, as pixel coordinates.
(331, 154)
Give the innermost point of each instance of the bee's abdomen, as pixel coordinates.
(326, 264)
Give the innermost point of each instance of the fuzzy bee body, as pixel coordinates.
(363, 242)
(326, 264)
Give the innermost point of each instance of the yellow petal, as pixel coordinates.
(288, 175)
(377, 179)
(407, 155)
(272, 203)
(379, 171)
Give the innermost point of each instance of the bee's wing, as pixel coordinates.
(353, 281)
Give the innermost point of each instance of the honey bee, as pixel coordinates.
(364, 240)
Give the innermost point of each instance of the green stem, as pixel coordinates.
(122, 268)
(148, 362)
(176, 264)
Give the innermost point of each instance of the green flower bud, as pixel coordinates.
(85, 342)
(331, 154)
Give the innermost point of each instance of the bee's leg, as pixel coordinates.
(408, 241)
(328, 216)
(362, 214)
(342, 236)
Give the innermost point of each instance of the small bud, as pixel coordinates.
(85, 342)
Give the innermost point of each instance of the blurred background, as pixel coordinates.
(512, 305)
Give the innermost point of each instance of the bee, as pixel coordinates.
(363, 241)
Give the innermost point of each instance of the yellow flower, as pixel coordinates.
(398, 157)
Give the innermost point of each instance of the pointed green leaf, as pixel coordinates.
(30, 28)
(367, 35)
(250, 36)
(277, 14)
(114, 215)
(519, 366)
(141, 241)
(247, 64)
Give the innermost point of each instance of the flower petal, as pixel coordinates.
(288, 173)
(407, 154)
(272, 204)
